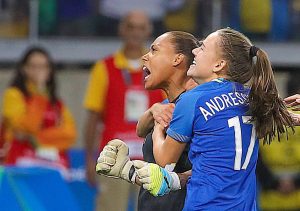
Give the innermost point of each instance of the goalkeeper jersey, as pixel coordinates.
(174, 200)
(214, 119)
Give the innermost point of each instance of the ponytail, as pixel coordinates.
(248, 64)
(267, 108)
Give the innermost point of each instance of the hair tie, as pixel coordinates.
(253, 51)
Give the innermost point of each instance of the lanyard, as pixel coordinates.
(127, 77)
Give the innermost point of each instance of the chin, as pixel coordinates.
(189, 74)
(149, 86)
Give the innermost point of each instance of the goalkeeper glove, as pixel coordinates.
(157, 180)
(114, 162)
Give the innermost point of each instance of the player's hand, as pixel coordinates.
(114, 162)
(293, 102)
(296, 118)
(157, 180)
(162, 113)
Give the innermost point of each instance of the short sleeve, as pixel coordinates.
(97, 88)
(181, 125)
(13, 105)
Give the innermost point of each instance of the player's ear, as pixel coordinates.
(178, 59)
(219, 66)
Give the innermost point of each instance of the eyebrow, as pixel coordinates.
(202, 44)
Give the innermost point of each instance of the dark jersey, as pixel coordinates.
(174, 200)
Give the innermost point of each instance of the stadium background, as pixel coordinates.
(70, 31)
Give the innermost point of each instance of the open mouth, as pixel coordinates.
(146, 71)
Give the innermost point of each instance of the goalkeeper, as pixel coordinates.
(166, 66)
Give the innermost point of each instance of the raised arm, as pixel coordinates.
(159, 112)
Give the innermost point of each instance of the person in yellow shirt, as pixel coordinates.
(37, 127)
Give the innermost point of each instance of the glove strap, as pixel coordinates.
(132, 174)
(176, 182)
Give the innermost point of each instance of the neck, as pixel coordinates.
(175, 86)
(133, 52)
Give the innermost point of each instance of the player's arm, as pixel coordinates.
(296, 118)
(159, 112)
(293, 102)
(166, 150)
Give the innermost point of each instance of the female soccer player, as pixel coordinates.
(222, 120)
(166, 66)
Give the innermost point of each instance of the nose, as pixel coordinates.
(145, 57)
(195, 51)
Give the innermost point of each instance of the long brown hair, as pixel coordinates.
(268, 111)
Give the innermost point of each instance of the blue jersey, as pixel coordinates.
(214, 118)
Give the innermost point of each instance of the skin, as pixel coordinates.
(294, 102)
(207, 65)
(166, 70)
(37, 70)
(134, 30)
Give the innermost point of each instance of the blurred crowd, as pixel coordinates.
(267, 20)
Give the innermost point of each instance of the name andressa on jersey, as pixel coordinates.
(221, 102)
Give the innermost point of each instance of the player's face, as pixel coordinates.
(37, 69)
(158, 66)
(206, 59)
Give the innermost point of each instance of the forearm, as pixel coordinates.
(166, 150)
(90, 134)
(158, 148)
(145, 124)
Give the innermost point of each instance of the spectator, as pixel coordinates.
(116, 98)
(37, 126)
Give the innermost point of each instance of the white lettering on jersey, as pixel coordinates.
(205, 113)
(219, 103)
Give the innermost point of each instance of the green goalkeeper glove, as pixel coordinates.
(157, 180)
(114, 162)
